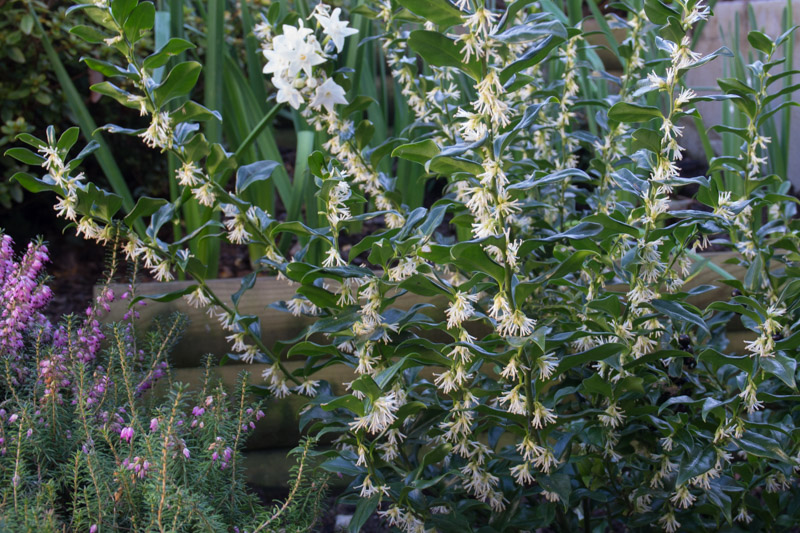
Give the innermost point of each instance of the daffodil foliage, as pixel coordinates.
(529, 350)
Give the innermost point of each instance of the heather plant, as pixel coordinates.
(526, 352)
(85, 447)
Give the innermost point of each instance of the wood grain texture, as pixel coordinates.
(204, 336)
(279, 429)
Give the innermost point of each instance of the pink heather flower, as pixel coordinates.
(198, 411)
(139, 465)
(153, 424)
(93, 529)
(22, 294)
(126, 434)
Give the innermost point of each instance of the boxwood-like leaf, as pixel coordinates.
(140, 21)
(145, 206)
(248, 174)
(172, 48)
(679, 313)
(533, 56)
(440, 12)
(597, 385)
(761, 446)
(695, 464)
(782, 367)
(179, 82)
(598, 353)
(532, 32)
(420, 152)
(24, 155)
(166, 296)
(627, 112)
(364, 509)
(441, 51)
(89, 34)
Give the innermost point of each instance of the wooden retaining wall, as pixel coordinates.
(278, 431)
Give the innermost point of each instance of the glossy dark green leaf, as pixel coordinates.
(340, 465)
(359, 103)
(364, 132)
(658, 12)
(782, 367)
(90, 34)
(191, 111)
(121, 9)
(254, 172)
(532, 32)
(24, 155)
(167, 296)
(695, 464)
(140, 21)
(448, 166)
(717, 359)
(647, 139)
(436, 455)
(364, 509)
(597, 385)
(533, 56)
(423, 285)
(441, 51)
(558, 483)
(32, 184)
(440, 12)
(145, 206)
(627, 112)
(419, 152)
(348, 401)
(598, 353)
(367, 385)
(760, 42)
(172, 48)
(318, 296)
(179, 82)
(679, 313)
(761, 446)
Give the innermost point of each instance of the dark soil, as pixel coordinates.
(327, 523)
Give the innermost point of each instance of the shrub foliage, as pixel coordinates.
(552, 370)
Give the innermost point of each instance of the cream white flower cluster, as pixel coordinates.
(152, 256)
(665, 170)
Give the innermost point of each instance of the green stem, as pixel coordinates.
(255, 133)
(86, 122)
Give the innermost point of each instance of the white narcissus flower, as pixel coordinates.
(287, 92)
(277, 61)
(294, 50)
(292, 37)
(328, 94)
(305, 57)
(334, 28)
